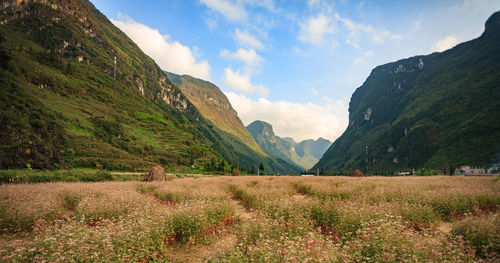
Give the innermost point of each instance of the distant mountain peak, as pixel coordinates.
(263, 129)
(305, 153)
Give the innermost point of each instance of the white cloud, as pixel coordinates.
(267, 4)
(230, 10)
(315, 30)
(211, 24)
(243, 38)
(445, 43)
(249, 57)
(378, 35)
(170, 55)
(365, 56)
(241, 82)
(297, 120)
(312, 2)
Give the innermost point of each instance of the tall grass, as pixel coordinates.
(286, 219)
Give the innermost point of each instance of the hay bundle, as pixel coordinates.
(157, 174)
(357, 173)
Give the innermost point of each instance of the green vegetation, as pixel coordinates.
(63, 107)
(38, 176)
(483, 233)
(436, 112)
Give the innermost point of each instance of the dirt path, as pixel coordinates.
(223, 244)
(445, 227)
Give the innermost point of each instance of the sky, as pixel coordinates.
(293, 63)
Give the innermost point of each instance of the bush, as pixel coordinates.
(170, 197)
(70, 200)
(419, 217)
(249, 201)
(450, 206)
(99, 176)
(303, 189)
(333, 222)
(193, 225)
(482, 233)
(145, 189)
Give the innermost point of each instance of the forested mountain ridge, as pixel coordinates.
(77, 92)
(437, 111)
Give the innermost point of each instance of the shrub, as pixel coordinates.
(145, 189)
(449, 206)
(333, 222)
(419, 217)
(169, 196)
(185, 226)
(303, 189)
(70, 200)
(482, 233)
(248, 200)
(199, 225)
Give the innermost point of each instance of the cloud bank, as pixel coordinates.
(170, 55)
(445, 43)
(231, 11)
(297, 120)
(315, 29)
(241, 82)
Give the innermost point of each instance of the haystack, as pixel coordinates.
(357, 173)
(236, 173)
(157, 174)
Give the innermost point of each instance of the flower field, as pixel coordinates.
(254, 219)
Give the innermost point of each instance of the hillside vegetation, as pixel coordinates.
(77, 92)
(437, 111)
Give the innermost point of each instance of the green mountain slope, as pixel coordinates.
(77, 92)
(437, 111)
(305, 154)
(214, 106)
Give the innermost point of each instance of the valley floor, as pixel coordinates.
(254, 219)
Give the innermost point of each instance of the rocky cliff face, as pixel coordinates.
(429, 111)
(304, 154)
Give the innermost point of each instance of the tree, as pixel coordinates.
(261, 167)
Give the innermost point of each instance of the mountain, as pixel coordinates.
(214, 105)
(437, 111)
(304, 154)
(77, 92)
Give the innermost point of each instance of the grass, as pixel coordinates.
(253, 219)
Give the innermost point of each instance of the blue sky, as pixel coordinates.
(293, 63)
